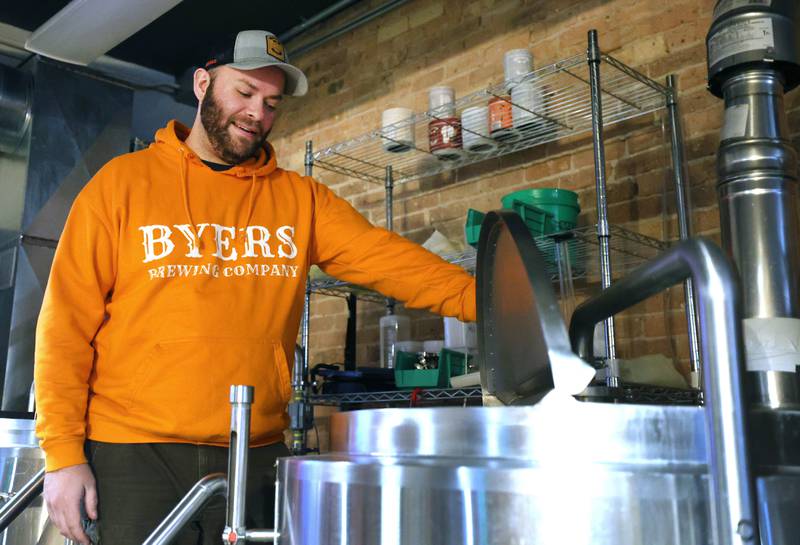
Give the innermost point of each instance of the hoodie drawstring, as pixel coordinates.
(251, 200)
(185, 193)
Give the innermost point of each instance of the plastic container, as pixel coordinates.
(397, 129)
(433, 346)
(444, 137)
(516, 64)
(460, 336)
(475, 130)
(441, 101)
(538, 221)
(450, 364)
(409, 346)
(393, 328)
(561, 203)
(501, 122)
(528, 101)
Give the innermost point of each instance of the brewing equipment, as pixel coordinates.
(21, 463)
(560, 471)
(753, 59)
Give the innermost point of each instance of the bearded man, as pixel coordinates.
(181, 270)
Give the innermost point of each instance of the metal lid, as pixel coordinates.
(521, 334)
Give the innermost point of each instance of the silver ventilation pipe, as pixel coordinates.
(753, 59)
(15, 108)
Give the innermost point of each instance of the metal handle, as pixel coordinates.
(718, 300)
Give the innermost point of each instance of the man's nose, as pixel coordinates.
(255, 111)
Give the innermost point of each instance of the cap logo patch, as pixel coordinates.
(275, 48)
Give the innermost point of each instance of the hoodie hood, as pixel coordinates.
(172, 140)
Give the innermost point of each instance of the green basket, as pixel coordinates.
(451, 364)
(538, 221)
(562, 204)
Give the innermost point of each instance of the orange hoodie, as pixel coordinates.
(172, 282)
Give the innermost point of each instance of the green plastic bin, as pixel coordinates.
(562, 204)
(451, 364)
(472, 228)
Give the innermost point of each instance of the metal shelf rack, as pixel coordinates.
(572, 103)
(564, 110)
(399, 396)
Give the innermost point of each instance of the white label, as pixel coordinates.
(772, 344)
(748, 35)
(735, 125)
(724, 6)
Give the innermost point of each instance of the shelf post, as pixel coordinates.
(389, 186)
(309, 164)
(304, 416)
(683, 208)
(603, 230)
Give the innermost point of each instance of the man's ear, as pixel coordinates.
(202, 79)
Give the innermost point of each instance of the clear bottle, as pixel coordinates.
(393, 329)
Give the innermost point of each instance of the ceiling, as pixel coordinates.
(182, 38)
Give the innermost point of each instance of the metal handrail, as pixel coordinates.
(718, 301)
(21, 499)
(206, 488)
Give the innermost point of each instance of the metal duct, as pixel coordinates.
(753, 59)
(15, 108)
(79, 124)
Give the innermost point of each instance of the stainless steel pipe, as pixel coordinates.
(753, 59)
(717, 296)
(193, 502)
(241, 400)
(757, 191)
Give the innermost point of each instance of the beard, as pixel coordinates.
(216, 122)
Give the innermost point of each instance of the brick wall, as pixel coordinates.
(393, 60)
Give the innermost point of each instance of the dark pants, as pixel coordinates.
(139, 484)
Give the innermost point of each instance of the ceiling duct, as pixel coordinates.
(86, 29)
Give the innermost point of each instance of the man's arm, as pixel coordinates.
(73, 309)
(81, 278)
(347, 246)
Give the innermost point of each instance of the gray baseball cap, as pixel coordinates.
(257, 49)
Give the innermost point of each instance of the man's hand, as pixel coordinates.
(64, 490)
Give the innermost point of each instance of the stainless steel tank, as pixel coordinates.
(561, 471)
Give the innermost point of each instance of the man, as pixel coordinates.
(181, 270)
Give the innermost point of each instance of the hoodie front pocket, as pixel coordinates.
(181, 390)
